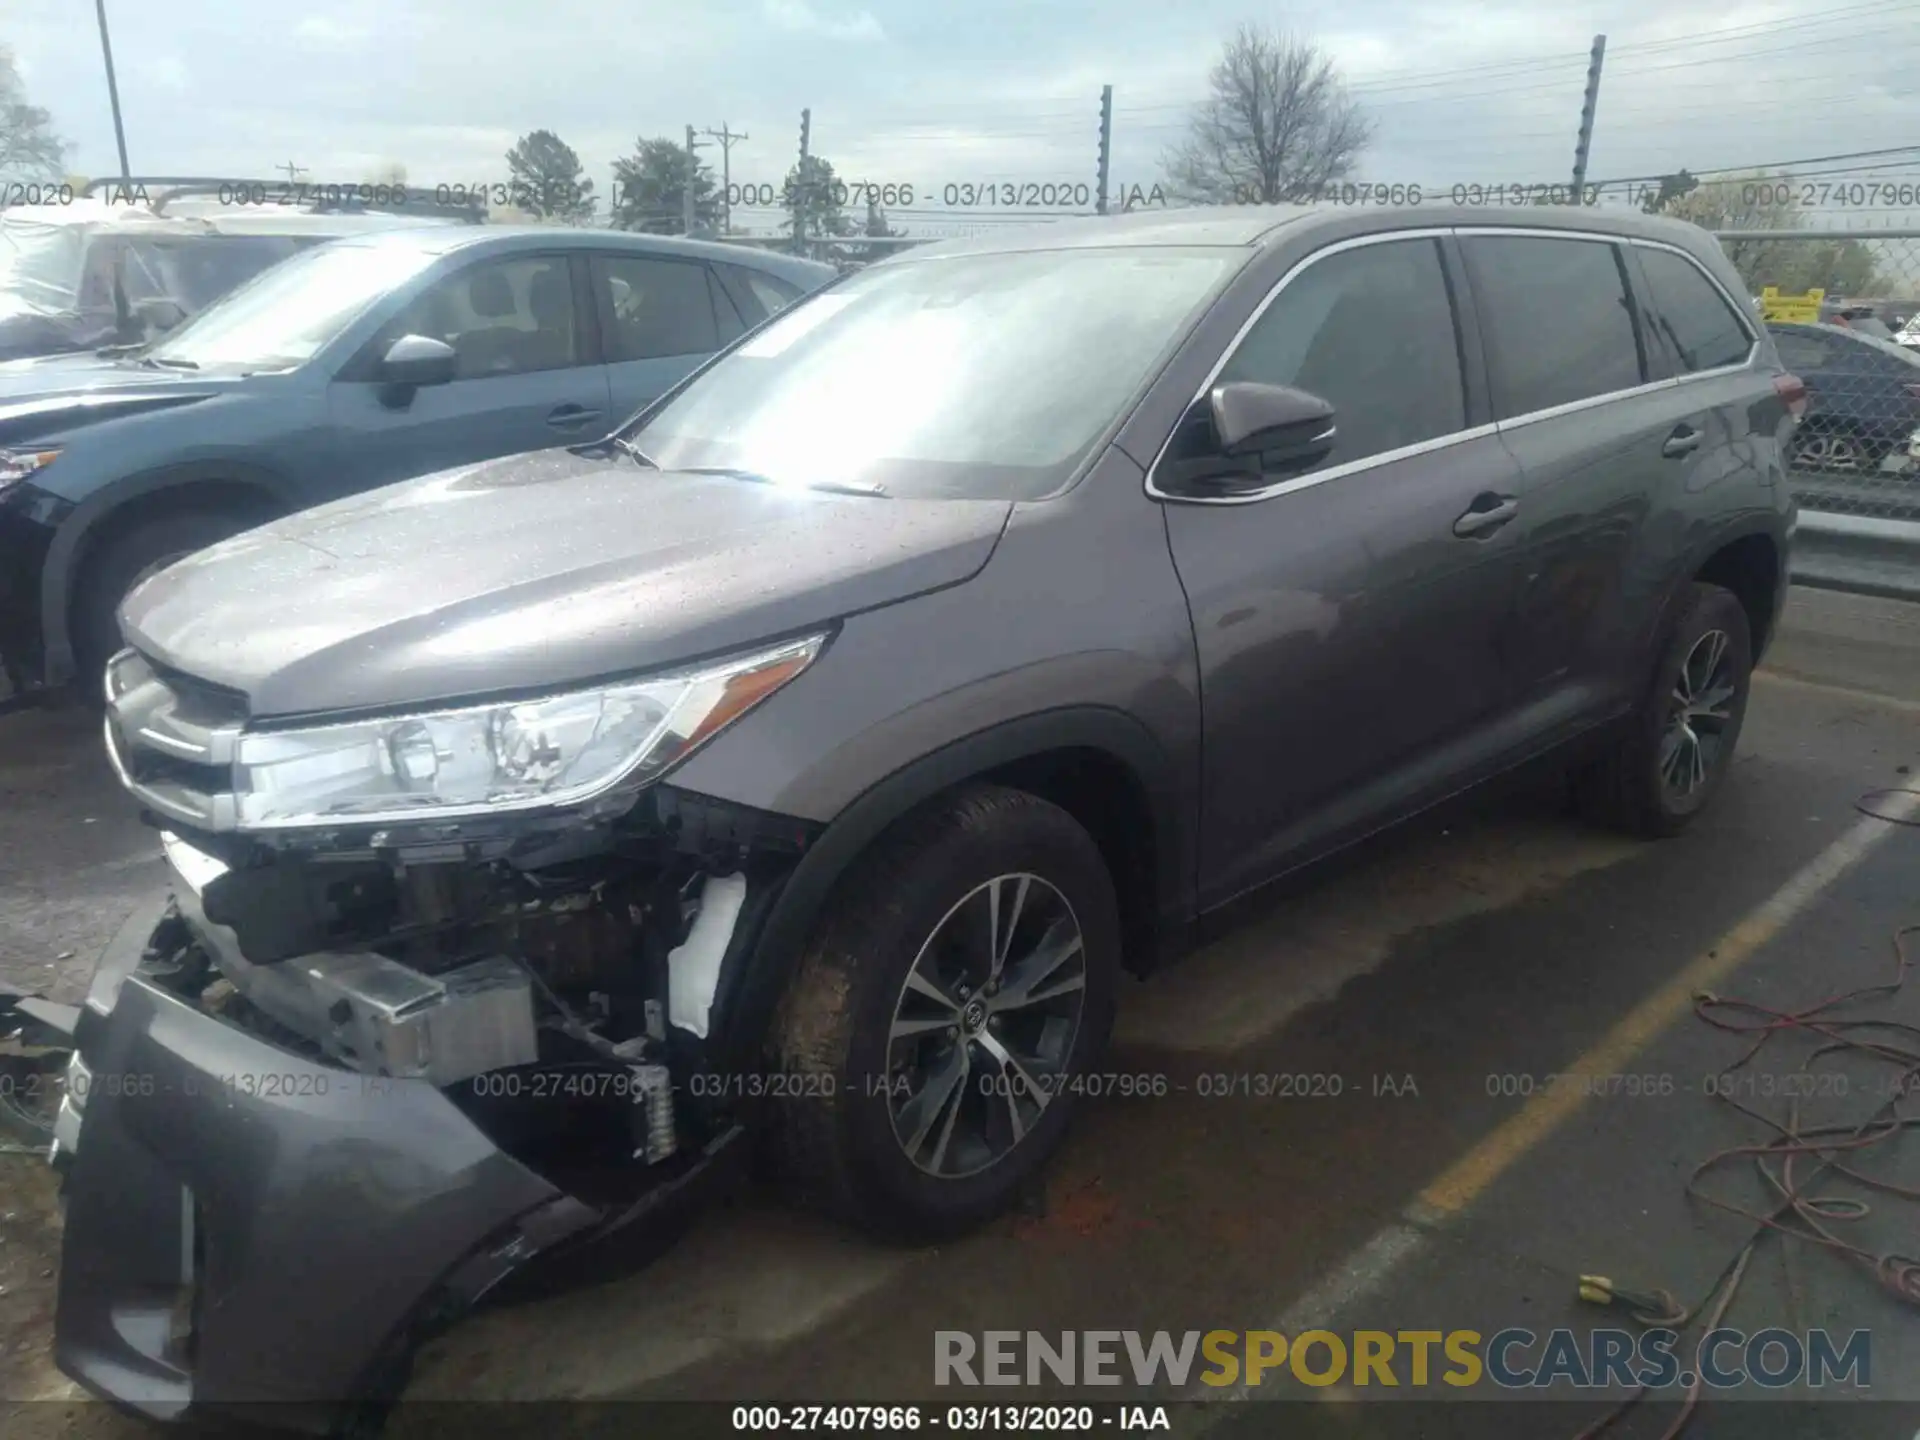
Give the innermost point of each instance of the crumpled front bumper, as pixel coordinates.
(248, 1228)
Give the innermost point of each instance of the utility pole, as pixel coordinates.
(1586, 116)
(726, 137)
(693, 176)
(113, 89)
(1106, 141)
(800, 190)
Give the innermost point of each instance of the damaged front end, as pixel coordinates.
(343, 1081)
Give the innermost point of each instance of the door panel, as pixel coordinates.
(524, 382)
(1564, 332)
(1348, 624)
(661, 318)
(1344, 632)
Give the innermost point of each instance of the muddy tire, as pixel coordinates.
(1674, 752)
(122, 562)
(963, 976)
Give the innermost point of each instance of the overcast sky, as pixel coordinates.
(930, 92)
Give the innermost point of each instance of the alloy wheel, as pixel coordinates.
(984, 1025)
(1699, 712)
(1827, 452)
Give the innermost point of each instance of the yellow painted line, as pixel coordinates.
(1469, 1176)
(1838, 692)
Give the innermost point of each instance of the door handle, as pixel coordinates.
(1487, 514)
(1683, 441)
(572, 417)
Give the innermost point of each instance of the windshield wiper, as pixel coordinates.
(832, 487)
(154, 362)
(633, 452)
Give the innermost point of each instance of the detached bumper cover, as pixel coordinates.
(247, 1227)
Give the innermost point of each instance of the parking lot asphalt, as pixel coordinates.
(1436, 1174)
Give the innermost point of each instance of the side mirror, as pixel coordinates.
(158, 316)
(1251, 419)
(1246, 435)
(415, 360)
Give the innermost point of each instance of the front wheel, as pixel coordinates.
(962, 982)
(1674, 753)
(122, 563)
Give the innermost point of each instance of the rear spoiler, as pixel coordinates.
(313, 197)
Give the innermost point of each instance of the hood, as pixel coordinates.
(56, 393)
(536, 572)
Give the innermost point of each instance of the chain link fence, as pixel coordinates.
(1842, 308)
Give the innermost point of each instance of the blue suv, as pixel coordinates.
(350, 366)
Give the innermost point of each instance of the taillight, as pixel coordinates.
(1792, 391)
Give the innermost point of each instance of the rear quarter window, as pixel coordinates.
(1700, 327)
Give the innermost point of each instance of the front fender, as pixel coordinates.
(767, 944)
(84, 524)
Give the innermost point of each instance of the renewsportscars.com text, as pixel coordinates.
(1510, 1359)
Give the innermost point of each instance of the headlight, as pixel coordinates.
(518, 755)
(17, 465)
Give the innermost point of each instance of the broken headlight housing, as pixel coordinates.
(18, 465)
(514, 755)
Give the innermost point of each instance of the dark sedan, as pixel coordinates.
(1863, 397)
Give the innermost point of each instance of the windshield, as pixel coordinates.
(197, 272)
(286, 314)
(40, 264)
(985, 376)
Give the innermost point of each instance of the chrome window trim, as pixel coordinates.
(1457, 437)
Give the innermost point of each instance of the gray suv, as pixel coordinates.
(807, 762)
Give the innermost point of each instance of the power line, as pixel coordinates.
(1776, 164)
(1386, 82)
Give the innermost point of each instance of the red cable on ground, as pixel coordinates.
(1798, 1214)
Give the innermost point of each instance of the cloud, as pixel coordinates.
(1479, 91)
(166, 72)
(332, 34)
(802, 19)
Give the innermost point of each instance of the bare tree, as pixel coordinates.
(29, 150)
(1277, 126)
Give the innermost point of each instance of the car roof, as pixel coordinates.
(118, 217)
(89, 213)
(445, 240)
(1259, 226)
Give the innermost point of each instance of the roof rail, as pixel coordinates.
(317, 197)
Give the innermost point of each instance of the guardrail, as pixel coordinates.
(1855, 459)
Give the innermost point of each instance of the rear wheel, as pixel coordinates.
(121, 563)
(1675, 751)
(1834, 451)
(962, 980)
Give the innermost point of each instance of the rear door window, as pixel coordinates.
(658, 308)
(1696, 319)
(1555, 318)
(732, 327)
